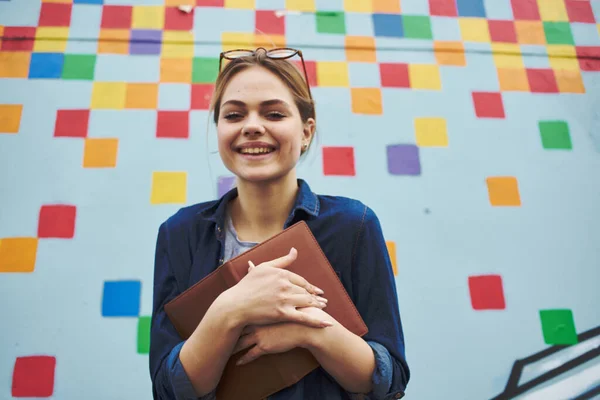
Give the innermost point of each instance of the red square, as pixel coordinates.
(116, 17)
(55, 14)
(394, 75)
(487, 292)
(589, 57)
(173, 124)
(71, 123)
(269, 23)
(502, 31)
(338, 161)
(177, 20)
(542, 80)
(24, 36)
(443, 8)
(201, 95)
(33, 376)
(580, 11)
(210, 3)
(57, 221)
(526, 10)
(311, 70)
(488, 105)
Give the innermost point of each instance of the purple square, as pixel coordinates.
(224, 185)
(403, 159)
(145, 42)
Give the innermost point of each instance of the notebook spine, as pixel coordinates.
(229, 275)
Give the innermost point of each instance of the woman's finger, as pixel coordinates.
(306, 300)
(309, 320)
(284, 261)
(303, 283)
(250, 356)
(243, 343)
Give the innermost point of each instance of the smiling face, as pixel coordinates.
(260, 130)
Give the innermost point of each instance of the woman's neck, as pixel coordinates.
(261, 209)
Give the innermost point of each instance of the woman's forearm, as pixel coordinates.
(206, 352)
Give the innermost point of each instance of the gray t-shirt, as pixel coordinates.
(233, 245)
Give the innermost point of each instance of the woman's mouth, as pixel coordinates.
(256, 153)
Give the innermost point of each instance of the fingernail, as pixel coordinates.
(322, 299)
(319, 291)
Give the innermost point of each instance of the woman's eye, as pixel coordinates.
(276, 115)
(231, 116)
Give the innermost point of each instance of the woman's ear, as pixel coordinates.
(309, 130)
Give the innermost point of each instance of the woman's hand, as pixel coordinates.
(270, 294)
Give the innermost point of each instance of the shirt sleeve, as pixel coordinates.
(375, 296)
(169, 379)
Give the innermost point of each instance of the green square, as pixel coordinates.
(79, 66)
(555, 135)
(331, 22)
(558, 327)
(143, 335)
(205, 70)
(558, 33)
(417, 27)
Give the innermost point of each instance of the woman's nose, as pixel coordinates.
(253, 126)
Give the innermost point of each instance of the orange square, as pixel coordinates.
(100, 152)
(569, 81)
(386, 6)
(530, 32)
(10, 118)
(141, 95)
(14, 64)
(269, 41)
(177, 3)
(503, 191)
(450, 53)
(18, 254)
(513, 80)
(360, 48)
(391, 248)
(366, 101)
(176, 70)
(113, 41)
(1, 35)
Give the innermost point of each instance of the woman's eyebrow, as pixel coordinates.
(266, 103)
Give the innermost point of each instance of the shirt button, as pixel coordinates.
(398, 395)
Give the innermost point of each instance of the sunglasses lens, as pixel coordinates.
(282, 53)
(238, 53)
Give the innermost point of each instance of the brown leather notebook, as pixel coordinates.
(270, 373)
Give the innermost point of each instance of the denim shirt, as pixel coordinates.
(190, 246)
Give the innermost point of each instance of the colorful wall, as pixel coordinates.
(471, 127)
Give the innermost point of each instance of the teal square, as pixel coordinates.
(558, 327)
(205, 69)
(558, 33)
(331, 22)
(555, 135)
(417, 27)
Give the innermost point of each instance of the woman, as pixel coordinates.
(265, 120)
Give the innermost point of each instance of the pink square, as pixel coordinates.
(201, 95)
(394, 75)
(311, 70)
(487, 292)
(173, 124)
(24, 32)
(33, 376)
(589, 57)
(176, 20)
(542, 80)
(580, 11)
(116, 17)
(488, 105)
(57, 221)
(55, 14)
(526, 10)
(443, 8)
(71, 123)
(268, 22)
(502, 31)
(338, 161)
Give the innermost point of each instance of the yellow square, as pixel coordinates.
(51, 40)
(563, 57)
(358, 6)
(18, 254)
(236, 40)
(148, 17)
(178, 44)
(245, 4)
(553, 10)
(507, 55)
(474, 30)
(424, 76)
(269, 41)
(530, 32)
(391, 248)
(300, 5)
(100, 152)
(14, 64)
(513, 80)
(168, 187)
(114, 41)
(431, 132)
(109, 95)
(141, 96)
(10, 118)
(177, 3)
(332, 73)
(360, 49)
(176, 70)
(366, 101)
(569, 81)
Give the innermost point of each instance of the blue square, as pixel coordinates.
(359, 24)
(88, 1)
(46, 65)
(174, 96)
(121, 299)
(389, 25)
(471, 8)
(364, 75)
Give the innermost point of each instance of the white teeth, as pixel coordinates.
(260, 150)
